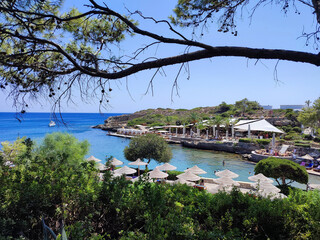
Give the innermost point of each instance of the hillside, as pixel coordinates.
(161, 116)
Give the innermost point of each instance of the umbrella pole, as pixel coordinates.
(138, 170)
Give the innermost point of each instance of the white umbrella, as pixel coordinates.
(266, 187)
(101, 167)
(166, 167)
(138, 163)
(115, 162)
(124, 171)
(182, 181)
(307, 157)
(260, 178)
(156, 173)
(184, 131)
(195, 170)
(213, 130)
(249, 132)
(92, 158)
(225, 181)
(188, 176)
(227, 173)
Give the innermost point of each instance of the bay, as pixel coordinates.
(35, 126)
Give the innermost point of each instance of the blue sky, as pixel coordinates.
(213, 80)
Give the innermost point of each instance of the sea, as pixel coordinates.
(36, 126)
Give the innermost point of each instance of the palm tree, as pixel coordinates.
(227, 123)
(308, 102)
(218, 120)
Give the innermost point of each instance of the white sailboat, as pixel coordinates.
(52, 124)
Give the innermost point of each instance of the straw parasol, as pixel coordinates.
(156, 173)
(266, 188)
(307, 157)
(92, 158)
(138, 163)
(260, 178)
(226, 181)
(188, 176)
(182, 181)
(166, 167)
(124, 171)
(195, 170)
(115, 162)
(101, 166)
(227, 173)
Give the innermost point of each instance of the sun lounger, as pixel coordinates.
(283, 149)
(310, 166)
(317, 169)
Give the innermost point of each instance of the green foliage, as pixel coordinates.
(149, 146)
(173, 175)
(316, 139)
(263, 142)
(51, 181)
(117, 209)
(306, 145)
(282, 169)
(246, 140)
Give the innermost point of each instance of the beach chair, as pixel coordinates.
(309, 167)
(303, 164)
(317, 169)
(283, 149)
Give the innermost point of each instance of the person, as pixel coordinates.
(223, 163)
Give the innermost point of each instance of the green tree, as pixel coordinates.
(149, 146)
(282, 169)
(308, 117)
(12, 151)
(48, 50)
(218, 121)
(53, 181)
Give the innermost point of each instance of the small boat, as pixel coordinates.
(52, 124)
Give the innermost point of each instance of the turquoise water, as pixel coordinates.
(35, 126)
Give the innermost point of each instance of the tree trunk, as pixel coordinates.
(283, 181)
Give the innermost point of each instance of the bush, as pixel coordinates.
(263, 142)
(246, 140)
(316, 139)
(173, 175)
(297, 129)
(307, 136)
(302, 145)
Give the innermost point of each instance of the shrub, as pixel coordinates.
(173, 174)
(263, 142)
(246, 140)
(297, 129)
(316, 139)
(302, 145)
(307, 136)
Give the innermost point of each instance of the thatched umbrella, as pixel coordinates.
(138, 163)
(188, 176)
(227, 173)
(167, 167)
(101, 167)
(124, 171)
(182, 181)
(195, 170)
(307, 157)
(226, 181)
(92, 158)
(156, 173)
(115, 162)
(260, 178)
